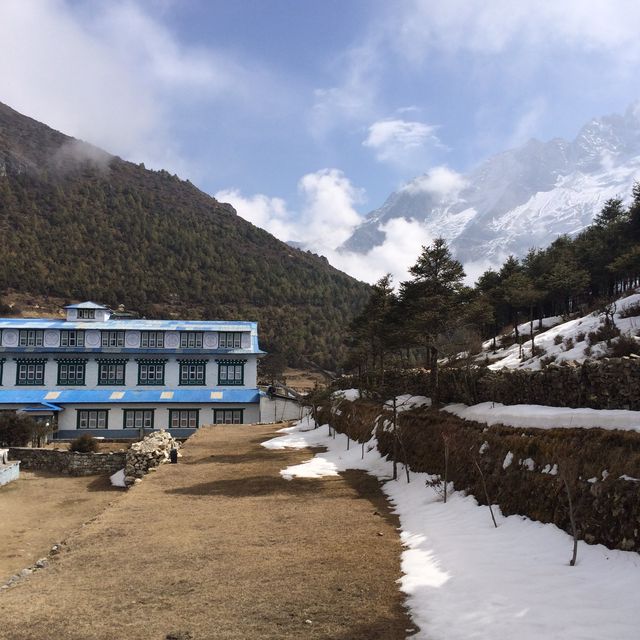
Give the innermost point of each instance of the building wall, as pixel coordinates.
(171, 372)
(68, 419)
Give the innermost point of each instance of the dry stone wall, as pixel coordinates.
(148, 454)
(68, 462)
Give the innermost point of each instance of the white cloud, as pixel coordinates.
(326, 219)
(441, 181)
(493, 26)
(528, 122)
(270, 214)
(402, 245)
(400, 142)
(111, 76)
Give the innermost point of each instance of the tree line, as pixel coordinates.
(435, 315)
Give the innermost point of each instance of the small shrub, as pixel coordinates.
(84, 444)
(547, 360)
(568, 344)
(588, 351)
(580, 336)
(604, 333)
(507, 341)
(558, 339)
(630, 311)
(539, 351)
(625, 346)
(15, 429)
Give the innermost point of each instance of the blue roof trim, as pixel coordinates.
(131, 351)
(87, 305)
(209, 395)
(45, 406)
(132, 325)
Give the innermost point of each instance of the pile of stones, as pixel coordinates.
(148, 454)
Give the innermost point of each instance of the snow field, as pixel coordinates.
(464, 579)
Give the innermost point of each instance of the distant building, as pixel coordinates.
(112, 377)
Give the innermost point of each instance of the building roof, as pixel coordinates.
(216, 395)
(132, 325)
(86, 305)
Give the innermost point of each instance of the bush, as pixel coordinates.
(15, 429)
(580, 336)
(625, 346)
(539, 351)
(604, 333)
(630, 311)
(568, 344)
(84, 444)
(558, 339)
(547, 360)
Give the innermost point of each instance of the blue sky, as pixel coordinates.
(306, 115)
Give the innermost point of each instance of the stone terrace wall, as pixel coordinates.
(610, 383)
(68, 462)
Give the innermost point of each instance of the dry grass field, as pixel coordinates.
(220, 546)
(39, 510)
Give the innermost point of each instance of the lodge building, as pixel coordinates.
(112, 377)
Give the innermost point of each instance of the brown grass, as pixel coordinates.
(220, 546)
(40, 509)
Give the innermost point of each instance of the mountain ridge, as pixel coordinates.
(80, 223)
(521, 197)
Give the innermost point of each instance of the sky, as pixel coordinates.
(306, 115)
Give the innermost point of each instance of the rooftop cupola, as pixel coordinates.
(87, 312)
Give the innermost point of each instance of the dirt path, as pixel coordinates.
(220, 546)
(40, 509)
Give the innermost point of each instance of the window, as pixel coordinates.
(111, 372)
(230, 372)
(113, 338)
(151, 371)
(70, 338)
(191, 340)
(93, 419)
(138, 419)
(192, 372)
(152, 339)
(227, 416)
(71, 372)
(31, 337)
(86, 314)
(30, 372)
(183, 418)
(230, 340)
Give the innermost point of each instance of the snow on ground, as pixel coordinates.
(347, 394)
(465, 580)
(407, 401)
(542, 417)
(572, 337)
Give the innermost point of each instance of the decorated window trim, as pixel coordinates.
(233, 337)
(188, 362)
(226, 363)
(72, 361)
(112, 361)
(151, 362)
(37, 362)
(191, 339)
(118, 334)
(152, 339)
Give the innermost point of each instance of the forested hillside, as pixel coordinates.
(78, 223)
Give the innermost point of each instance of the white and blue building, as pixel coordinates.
(111, 377)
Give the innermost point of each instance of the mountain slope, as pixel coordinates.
(523, 197)
(79, 223)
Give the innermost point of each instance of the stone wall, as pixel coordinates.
(149, 453)
(524, 469)
(68, 462)
(610, 383)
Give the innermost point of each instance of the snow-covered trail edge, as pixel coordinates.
(464, 580)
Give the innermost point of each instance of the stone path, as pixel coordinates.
(220, 546)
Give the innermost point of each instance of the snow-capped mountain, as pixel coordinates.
(521, 198)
